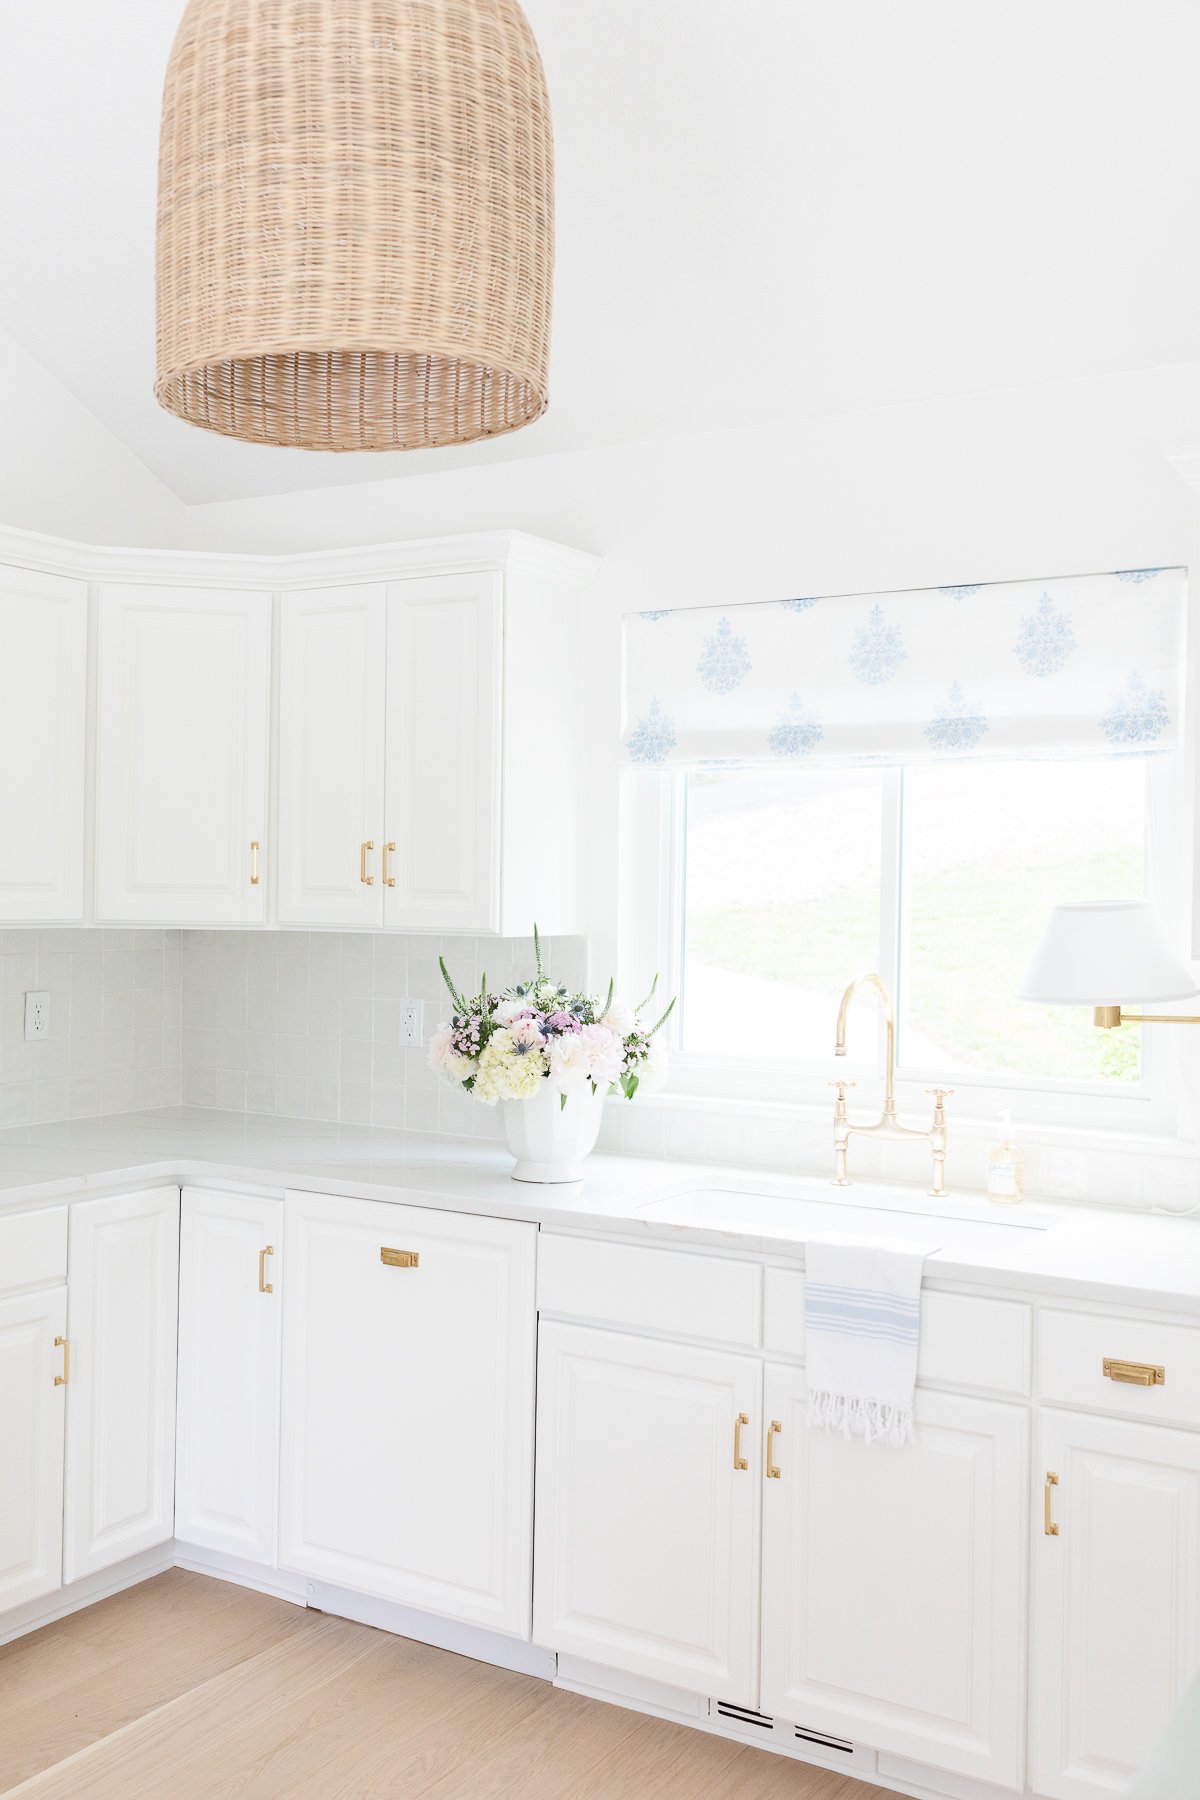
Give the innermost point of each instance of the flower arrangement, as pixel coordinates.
(504, 1046)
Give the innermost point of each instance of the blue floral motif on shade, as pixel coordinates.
(1137, 576)
(878, 649)
(1138, 715)
(652, 738)
(1046, 639)
(963, 592)
(724, 660)
(797, 732)
(957, 724)
(652, 617)
(798, 606)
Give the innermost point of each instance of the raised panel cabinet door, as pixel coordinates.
(648, 1482)
(32, 1399)
(43, 722)
(123, 1281)
(1116, 1635)
(894, 1582)
(443, 753)
(230, 1330)
(182, 732)
(408, 1399)
(331, 696)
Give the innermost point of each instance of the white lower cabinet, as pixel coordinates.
(124, 1278)
(32, 1397)
(894, 1582)
(408, 1402)
(1116, 1598)
(230, 1328)
(649, 1461)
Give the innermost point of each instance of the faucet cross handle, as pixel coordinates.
(842, 1085)
(940, 1094)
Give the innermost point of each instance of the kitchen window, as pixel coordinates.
(775, 887)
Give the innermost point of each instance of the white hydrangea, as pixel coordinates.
(652, 1074)
(505, 1072)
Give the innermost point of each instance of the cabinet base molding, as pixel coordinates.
(282, 1584)
(889, 1773)
(86, 1592)
(427, 1628)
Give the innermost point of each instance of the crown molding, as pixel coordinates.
(369, 562)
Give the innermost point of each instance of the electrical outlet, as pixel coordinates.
(412, 1023)
(37, 1017)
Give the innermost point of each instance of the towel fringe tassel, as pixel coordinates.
(876, 1421)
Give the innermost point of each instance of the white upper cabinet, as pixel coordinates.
(443, 754)
(1116, 1598)
(332, 674)
(182, 736)
(43, 719)
(893, 1582)
(124, 1291)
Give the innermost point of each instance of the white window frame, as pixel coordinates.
(652, 878)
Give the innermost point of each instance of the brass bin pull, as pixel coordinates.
(399, 1259)
(388, 850)
(265, 1286)
(739, 1461)
(60, 1343)
(367, 880)
(1050, 1528)
(254, 862)
(773, 1470)
(1134, 1373)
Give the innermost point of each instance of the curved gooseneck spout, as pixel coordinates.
(889, 1013)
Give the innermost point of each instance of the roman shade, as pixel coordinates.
(1083, 665)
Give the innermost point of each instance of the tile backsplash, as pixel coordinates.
(114, 1043)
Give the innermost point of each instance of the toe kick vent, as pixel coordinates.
(786, 1739)
(823, 1742)
(741, 1715)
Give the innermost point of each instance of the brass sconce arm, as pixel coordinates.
(1108, 1017)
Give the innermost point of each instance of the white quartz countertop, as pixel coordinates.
(1130, 1258)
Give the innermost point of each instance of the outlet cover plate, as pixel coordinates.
(37, 1016)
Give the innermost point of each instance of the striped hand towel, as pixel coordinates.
(862, 1314)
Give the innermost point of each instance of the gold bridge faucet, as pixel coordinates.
(887, 1125)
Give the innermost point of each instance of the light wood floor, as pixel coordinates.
(187, 1688)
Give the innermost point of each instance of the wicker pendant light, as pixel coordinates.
(355, 222)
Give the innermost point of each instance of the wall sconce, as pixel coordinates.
(1105, 956)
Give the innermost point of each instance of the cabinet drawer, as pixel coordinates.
(649, 1289)
(965, 1342)
(1073, 1349)
(33, 1249)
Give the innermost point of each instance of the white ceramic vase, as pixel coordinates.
(549, 1140)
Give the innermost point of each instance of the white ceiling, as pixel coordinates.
(766, 208)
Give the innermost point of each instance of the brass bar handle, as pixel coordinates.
(739, 1461)
(773, 1470)
(254, 862)
(367, 880)
(60, 1343)
(399, 1259)
(388, 850)
(265, 1286)
(1135, 1374)
(1050, 1528)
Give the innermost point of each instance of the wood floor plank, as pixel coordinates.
(85, 1676)
(330, 1710)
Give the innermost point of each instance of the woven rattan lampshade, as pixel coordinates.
(355, 222)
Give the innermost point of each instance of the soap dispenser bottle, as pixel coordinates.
(1005, 1167)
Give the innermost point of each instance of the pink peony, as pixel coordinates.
(605, 1053)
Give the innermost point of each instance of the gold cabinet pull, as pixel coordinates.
(739, 1461)
(399, 1259)
(60, 1343)
(1135, 1374)
(388, 850)
(1051, 1529)
(254, 862)
(367, 880)
(265, 1286)
(773, 1470)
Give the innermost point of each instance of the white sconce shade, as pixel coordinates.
(1109, 955)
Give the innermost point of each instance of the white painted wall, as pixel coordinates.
(64, 473)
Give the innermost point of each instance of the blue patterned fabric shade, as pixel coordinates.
(1084, 665)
